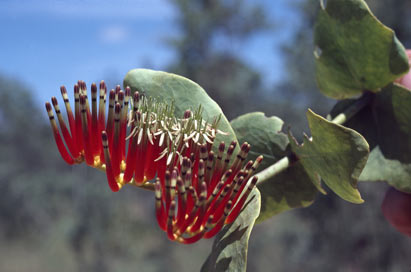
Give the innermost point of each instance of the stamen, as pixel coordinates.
(220, 222)
(71, 121)
(131, 159)
(187, 114)
(219, 186)
(182, 202)
(60, 145)
(141, 154)
(123, 121)
(173, 183)
(245, 147)
(219, 165)
(199, 235)
(228, 155)
(110, 118)
(184, 167)
(151, 155)
(101, 115)
(64, 130)
(228, 196)
(237, 209)
(193, 212)
(114, 186)
(202, 211)
(83, 91)
(209, 171)
(255, 166)
(167, 178)
(203, 152)
(94, 122)
(160, 212)
(201, 170)
(85, 127)
(170, 218)
(117, 91)
(115, 150)
(79, 130)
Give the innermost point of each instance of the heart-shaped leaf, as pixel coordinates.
(185, 93)
(230, 247)
(355, 51)
(336, 153)
(289, 189)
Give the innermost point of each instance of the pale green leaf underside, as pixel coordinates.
(185, 93)
(229, 250)
(395, 173)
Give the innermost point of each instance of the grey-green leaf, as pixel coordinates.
(379, 168)
(355, 51)
(289, 189)
(336, 153)
(263, 134)
(185, 93)
(230, 247)
(386, 125)
(393, 116)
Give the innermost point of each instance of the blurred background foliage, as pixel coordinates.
(56, 217)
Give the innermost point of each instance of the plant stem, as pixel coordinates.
(340, 119)
(273, 170)
(352, 109)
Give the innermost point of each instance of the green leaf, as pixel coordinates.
(185, 93)
(395, 173)
(229, 250)
(355, 51)
(289, 189)
(393, 116)
(336, 153)
(386, 125)
(263, 134)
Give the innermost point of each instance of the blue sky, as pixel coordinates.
(51, 43)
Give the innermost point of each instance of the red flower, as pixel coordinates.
(196, 191)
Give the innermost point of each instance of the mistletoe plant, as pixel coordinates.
(163, 133)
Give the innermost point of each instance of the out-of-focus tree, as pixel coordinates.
(206, 28)
(299, 89)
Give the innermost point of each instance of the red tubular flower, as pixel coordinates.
(197, 191)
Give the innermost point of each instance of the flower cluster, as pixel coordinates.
(197, 188)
